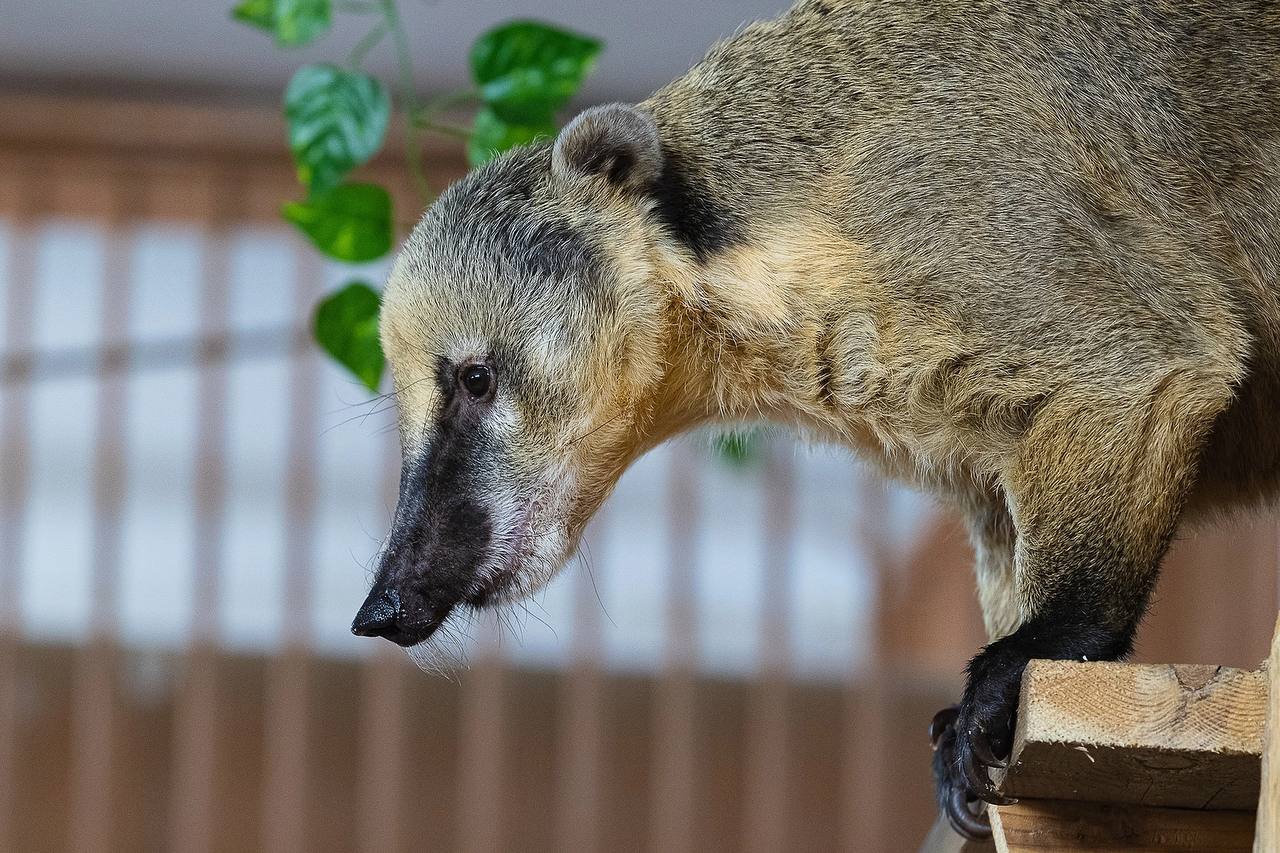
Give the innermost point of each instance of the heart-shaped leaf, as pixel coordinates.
(491, 135)
(292, 22)
(351, 222)
(337, 121)
(527, 70)
(346, 326)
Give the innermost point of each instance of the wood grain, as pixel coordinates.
(1268, 824)
(1064, 827)
(1165, 735)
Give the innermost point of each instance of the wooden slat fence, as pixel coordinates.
(298, 750)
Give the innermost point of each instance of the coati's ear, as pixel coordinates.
(616, 142)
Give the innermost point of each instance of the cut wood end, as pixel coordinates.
(1183, 708)
(1184, 736)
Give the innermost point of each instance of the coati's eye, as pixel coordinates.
(477, 379)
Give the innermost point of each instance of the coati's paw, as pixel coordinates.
(977, 735)
(954, 798)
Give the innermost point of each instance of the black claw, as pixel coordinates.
(975, 827)
(942, 721)
(988, 793)
(982, 751)
(992, 797)
(962, 754)
(979, 783)
(975, 777)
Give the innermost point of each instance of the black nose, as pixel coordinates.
(378, 614)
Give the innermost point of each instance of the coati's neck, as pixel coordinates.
(766, 329)
(772, 301)
(759, 130)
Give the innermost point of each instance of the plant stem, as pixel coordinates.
(366, 44)
(449, 99)
(444, 127)
(409, 102)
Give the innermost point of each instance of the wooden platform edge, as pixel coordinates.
(1267, 829)
(1175, 736)
(1032, 826)
(1114, 756)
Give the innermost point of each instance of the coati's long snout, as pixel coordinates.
(439, 541)
(429, 567)
(462, 525)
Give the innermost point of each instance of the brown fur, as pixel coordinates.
(1023, 256)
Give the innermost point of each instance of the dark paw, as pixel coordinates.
(954, 798)
(974, 736)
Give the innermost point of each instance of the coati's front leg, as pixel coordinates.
(1094, 492)
(994, 538)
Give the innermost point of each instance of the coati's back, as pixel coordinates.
(1004, 86)
(1000, 119)
(1111, 170)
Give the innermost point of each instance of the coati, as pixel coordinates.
(1025, 256)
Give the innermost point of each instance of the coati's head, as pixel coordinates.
(528, 334)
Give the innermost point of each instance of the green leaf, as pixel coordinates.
(739, 449)
(346, 326)
(491, 135)
(337, 121)
(351, 222)
(292, 22)
(527, 70)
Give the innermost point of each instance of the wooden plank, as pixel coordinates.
(384, 755)
(285, 784)
(482, 755)
(1180, 736)
(175, 142)
(96, 704)
(1064, 826)
(866, 817)
(674, 790)
(383, 759)
(284, 755)
(766, 784)
(196, 712)
(582, 731)
(1268, 824)
(21, 199)
(167, 126)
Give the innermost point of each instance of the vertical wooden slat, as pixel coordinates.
(94, 691)
(1267, 831)
(863, 805)
(383, 746)
(673, 794)
(382, 713)
(480, 786)
(581, 735)
(285, 776)
(192, 826)
(765, 806)
(19, 202)
(284, 779)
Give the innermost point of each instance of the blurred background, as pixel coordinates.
(745, 656)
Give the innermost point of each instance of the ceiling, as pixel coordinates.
(159, 45)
